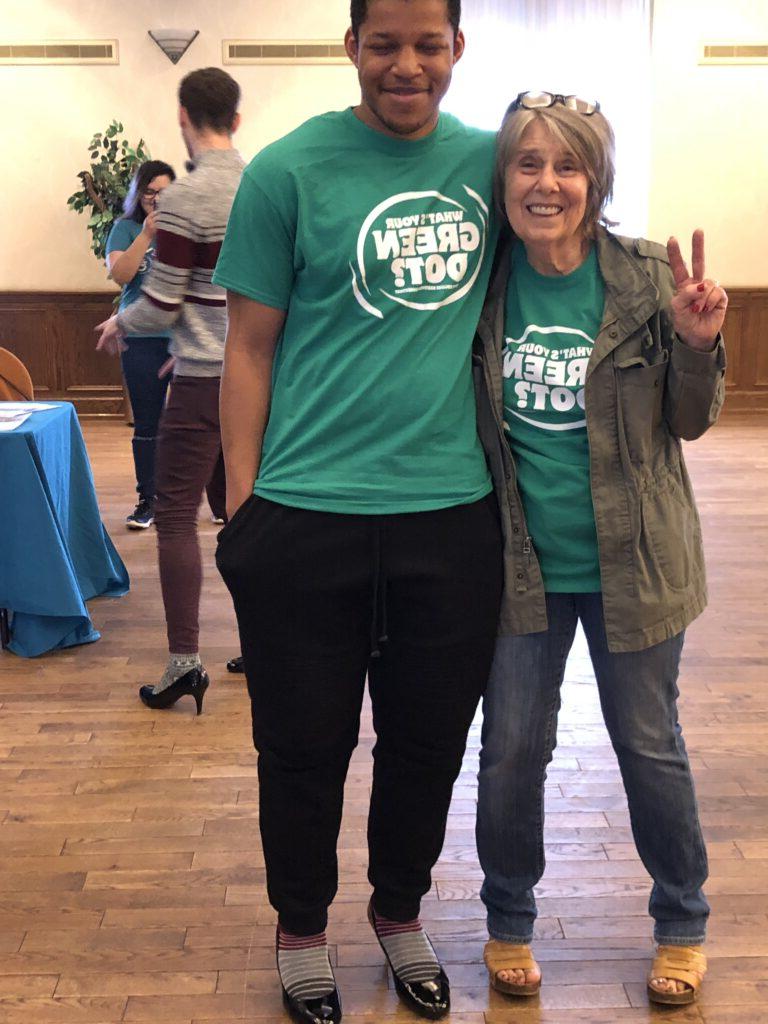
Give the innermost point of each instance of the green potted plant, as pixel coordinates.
(113, 163)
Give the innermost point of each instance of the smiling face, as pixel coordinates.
(545, 196)
(404, 54)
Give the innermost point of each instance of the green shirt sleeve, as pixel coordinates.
(123, 234)
(258, 256)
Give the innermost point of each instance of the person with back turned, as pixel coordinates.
(179, 293)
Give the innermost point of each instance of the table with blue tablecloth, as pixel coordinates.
(54, 551)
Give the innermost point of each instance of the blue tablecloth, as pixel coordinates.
(54, 551)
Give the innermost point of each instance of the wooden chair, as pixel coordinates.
(15, 382)
(15, 386)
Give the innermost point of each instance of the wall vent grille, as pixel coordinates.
(734, 53)
(283, 51)
(60, 51)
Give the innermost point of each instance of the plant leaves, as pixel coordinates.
(113, 164)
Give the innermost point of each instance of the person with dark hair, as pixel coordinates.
(179, 294)
(358, 11)
(130, 250)
(596, 354)
(210, 98)
(365, 539)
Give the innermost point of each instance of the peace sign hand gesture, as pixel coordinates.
(698, 305)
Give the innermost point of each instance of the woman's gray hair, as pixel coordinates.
(590, 139)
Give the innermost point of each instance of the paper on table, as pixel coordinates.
(11, 420)
(24, 407)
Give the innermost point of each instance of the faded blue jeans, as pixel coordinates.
(638, 695)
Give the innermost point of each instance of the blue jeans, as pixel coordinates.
(141, 361)
(638, 695)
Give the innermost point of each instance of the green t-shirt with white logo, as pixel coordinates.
(550, 329)
(379, 249)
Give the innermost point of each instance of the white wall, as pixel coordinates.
(562, 46)
(49, 113)
(709, 164)
(708, 153)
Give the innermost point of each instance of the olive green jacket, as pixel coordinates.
(645, 389)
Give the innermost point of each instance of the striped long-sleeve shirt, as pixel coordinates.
(178, 293)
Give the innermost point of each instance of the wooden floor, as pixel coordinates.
(131, 873)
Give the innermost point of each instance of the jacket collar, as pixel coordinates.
(630, 295)
(215, 158)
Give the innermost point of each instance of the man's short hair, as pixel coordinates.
(210, 97)
(358, 10)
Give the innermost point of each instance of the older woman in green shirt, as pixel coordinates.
(595, 355)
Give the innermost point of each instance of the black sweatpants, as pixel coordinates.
(322, 599)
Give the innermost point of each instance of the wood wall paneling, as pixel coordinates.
(746, 338)
(760, 348)
(25, 331)
(734, 327)
(52, 333)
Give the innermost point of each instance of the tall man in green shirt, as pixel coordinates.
(363, 537)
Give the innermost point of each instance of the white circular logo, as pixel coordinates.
(547, 370)
(422, 250)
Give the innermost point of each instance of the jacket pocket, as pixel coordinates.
(671, 532)
(640, 396)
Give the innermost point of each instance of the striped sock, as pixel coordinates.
(304, 967)
(409, 950)
(178, 666)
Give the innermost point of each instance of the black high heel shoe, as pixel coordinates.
(431, 999)
(193, 683)
(323, 1010)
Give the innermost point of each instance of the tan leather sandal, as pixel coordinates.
(505, 956)
(677, 963)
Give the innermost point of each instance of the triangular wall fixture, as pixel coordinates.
(174, 42)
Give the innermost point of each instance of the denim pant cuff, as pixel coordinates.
(696, 938)
(517, 933)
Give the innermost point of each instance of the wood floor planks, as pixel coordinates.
(131, 876)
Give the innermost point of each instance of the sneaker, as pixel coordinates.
(142, 516)
(217, 518)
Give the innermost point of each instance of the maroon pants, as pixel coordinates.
(188, 461)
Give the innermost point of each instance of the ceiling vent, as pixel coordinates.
(283, 51)
(60, 51)
(734, 53)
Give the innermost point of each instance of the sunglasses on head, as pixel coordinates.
(537, 100)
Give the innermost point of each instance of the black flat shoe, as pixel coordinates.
(431, 999)
(193, 683)
(235, 665)
(324, 1010)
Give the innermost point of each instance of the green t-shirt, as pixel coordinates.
(379, 249)
(550, 329)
